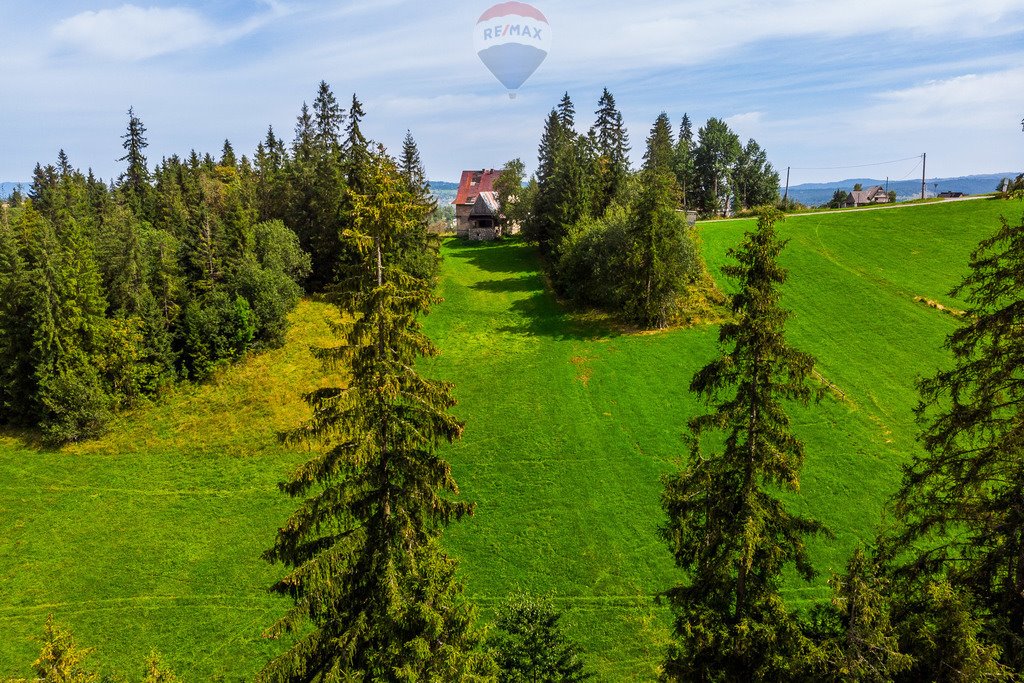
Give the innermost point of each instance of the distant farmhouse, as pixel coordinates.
(873, 195)
(477, 211)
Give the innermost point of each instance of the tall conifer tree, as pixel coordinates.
(612, 149)
(660, 146)
(960, 506)
(375, 597)
(682, 162)
(135, 179)
(727, 528)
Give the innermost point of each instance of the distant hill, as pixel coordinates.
(816, 194)
(7, 189)
(436, 185)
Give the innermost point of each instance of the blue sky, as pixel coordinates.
(820, 85)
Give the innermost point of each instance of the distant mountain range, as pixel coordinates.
(7, 189)
(811, 194)
(816, 194)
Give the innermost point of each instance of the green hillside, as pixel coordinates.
(150, 537)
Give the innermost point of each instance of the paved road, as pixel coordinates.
(876, 207)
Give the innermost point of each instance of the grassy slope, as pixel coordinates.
(151, 536)
(569, 427)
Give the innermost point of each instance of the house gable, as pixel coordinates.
(472, 185)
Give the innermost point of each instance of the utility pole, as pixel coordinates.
(924, 164)
(786, 195)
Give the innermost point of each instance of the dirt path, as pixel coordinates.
(876, 207)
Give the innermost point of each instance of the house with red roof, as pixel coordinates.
(476, 205)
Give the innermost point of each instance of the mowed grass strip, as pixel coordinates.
(151, 536)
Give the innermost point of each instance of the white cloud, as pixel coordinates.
(132, 33)
(748, 119)
(970, 101)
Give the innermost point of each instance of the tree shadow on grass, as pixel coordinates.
(541, 314)
(495, 257)
(526, 283)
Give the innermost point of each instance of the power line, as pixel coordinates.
(911, 172)
(840, 168)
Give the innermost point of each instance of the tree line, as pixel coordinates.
(112, 293)
(615, 238)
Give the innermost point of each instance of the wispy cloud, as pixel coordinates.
(133, 33)
(969, 101)
(625, 36)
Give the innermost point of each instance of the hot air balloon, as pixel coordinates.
(512, 39)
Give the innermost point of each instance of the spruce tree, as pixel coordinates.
(17, 382)
(727, 528)
(411, 166)
(565, 161)
(612, 148)
(304, 143)
(660, 146)
(375, 597)
(328, 120)
(271, 190)
(43, 189)
(567, 113)
(682, 161)
(227, 155)
(300, 174)
(686, 130)
(960, 508)
(856, 638)
(531, 646)
(134, 181)
(420, 256)
(325, 196)
(356, 149)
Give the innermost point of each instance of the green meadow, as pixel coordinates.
(150, 537)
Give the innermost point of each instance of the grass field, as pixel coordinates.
(150, 537)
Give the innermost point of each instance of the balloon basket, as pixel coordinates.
(512, 95)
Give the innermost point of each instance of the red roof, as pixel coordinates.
(473, 183)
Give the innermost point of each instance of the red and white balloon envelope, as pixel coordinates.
(512, 39)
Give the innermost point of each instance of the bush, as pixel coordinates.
(590, 262)
(271, 295)
(74, 403)
(215, 328)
